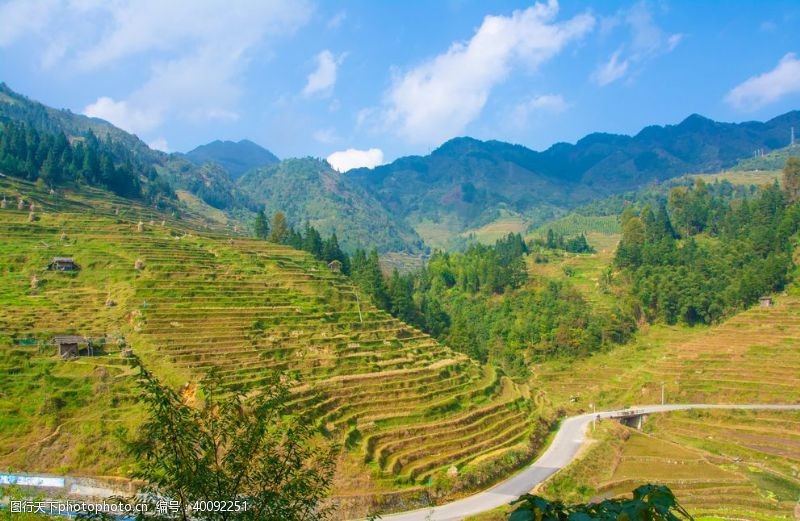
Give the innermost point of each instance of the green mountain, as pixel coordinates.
(208, 182)
(236, 158)
(774, 160)
(309, 191)
(16, 107)
(465, 183)
(463, 190)
(306, 190)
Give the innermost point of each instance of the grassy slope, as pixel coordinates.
(744, 177)
(309, 191)
(753, 357)
(720, 464)
(405, 407)
(583, 271)
(733, 465)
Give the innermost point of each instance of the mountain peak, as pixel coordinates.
(235, 157)
(458, 144)
(697, 122)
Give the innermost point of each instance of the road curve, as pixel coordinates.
(568, 440)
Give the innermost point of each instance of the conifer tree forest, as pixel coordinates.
(54, 159)
(700, 257)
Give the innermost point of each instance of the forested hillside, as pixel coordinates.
(52, 159)
(309, 191)
(701, 258)
(693, 254)
(211, 185)
(463, 184)
(483, 303)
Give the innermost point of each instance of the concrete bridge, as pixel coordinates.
(633, 418)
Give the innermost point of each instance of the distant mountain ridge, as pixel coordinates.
(462, 184)
(236, 158)
(442, 198)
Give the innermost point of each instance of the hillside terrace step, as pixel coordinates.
(371, 395)
(421, 401)
(432, 446)
(510, 436)
(381, 452)
(387, 385)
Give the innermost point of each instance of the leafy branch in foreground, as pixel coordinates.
(649, 503)
(230, 449)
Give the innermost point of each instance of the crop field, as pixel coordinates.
(574, 224)
(753, 357)
(720, 464)
(732, 465)
(583, 271)
(402, 262)
(743, 177)
(499, 228)
(403, 406)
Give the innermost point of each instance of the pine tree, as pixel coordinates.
(368, 276)
(50, 169)
(312, 242)
(260, 226)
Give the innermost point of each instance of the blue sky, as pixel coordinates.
(369, 81)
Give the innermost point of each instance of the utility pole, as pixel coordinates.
(792, 142)
(662, 393)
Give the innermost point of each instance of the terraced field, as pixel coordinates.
(754, 459)
(720, 464)
(732, 465)
(185, 301)
(753, 357)
(583, 271)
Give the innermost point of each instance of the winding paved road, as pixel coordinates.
(571, 435)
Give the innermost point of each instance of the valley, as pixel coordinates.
(483, 297)
(187, 295)
(187, 300)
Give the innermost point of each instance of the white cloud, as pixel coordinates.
(325, 136)
(345, 160)
(768, 87)
(552, 103)
(21, 18)
(439, 98)
(336, 20)
(122, 115)
(767, 26)
(647, 41)
(610, 71)
(156, 26)
(159, 144)
(549, 102)
(186, 59)
(322, 80)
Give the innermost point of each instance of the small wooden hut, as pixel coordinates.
(69, 345)
(335, 266)
(63, 264)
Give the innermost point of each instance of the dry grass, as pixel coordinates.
(756, 177)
